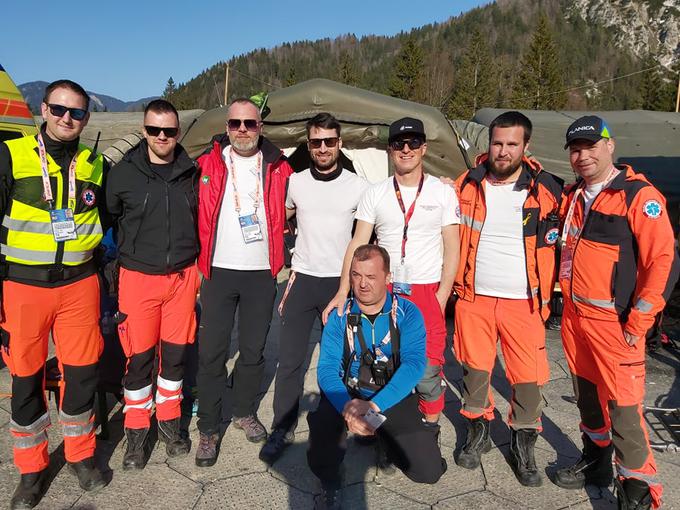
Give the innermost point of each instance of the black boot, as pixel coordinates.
(330, 497)
(522, 458)
(476, 443)
(170, 434)
(135, 454)
(89, 476)
(633, 494)
(30, 490)
(593, 468)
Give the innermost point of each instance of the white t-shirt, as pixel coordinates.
(590, 193)
(325, 213)
(437, 207)
(501, 263)
(231, 251)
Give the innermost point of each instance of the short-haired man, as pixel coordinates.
(618, 267)
(509, 210)
(416, 219)
(152, 194)
(324, 199)
(372, 356)
(50, 194)
(241, 216)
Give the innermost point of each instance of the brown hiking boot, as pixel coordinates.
(207, 450)
(255, 431)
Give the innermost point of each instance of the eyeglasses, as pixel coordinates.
(250, 124)
(315, 143)
(170, 132)
(413, 144)
(59, 111)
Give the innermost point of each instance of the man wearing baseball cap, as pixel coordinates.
(416, 218)
(618, 266)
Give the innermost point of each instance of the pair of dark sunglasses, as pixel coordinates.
(413, 144)
(250, 124)
(315, 143)
(170, 132)
(59, 111)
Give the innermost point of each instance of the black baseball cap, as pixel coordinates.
(404, 126)
(588, 127)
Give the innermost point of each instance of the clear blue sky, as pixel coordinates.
(128, 49)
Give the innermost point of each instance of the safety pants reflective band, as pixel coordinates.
(597, 436)
(37, 426)
(78, 425)
(166, 386)
(138, 399)
(629, 473)
(45, 257)
(469, 221)
(23, 442)
(600, 303)
(643, 306)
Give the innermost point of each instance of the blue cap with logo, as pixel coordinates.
(588, 127)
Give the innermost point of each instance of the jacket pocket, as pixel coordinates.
(630, 383)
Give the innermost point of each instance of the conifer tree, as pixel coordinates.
(474, 86)
(539, 82)
(170, 89)
(291, 77)
(349, 73)
(407, 78)
(651, 88)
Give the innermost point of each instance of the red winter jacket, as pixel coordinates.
(211, 188)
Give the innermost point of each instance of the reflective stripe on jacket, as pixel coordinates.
(540, 229)
(624, 263)
(29, 238)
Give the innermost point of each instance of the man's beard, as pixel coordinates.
(324, 167)
(242, 146)
(504, 174)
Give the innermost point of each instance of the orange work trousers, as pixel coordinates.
(609, 384)
(478, 326)
(156, 311)
(71, 314)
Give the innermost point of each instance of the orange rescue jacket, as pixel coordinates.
(624, 262)
(541, 229)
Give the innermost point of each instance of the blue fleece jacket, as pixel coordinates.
(411, 369)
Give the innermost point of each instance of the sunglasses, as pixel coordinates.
(170, 132)
(315, 143)
(250, 124)
(59, 111)
(413, 144)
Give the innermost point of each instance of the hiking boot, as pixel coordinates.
(385, 464)
(522, 458)
(169, 433)
(255, 431)
(476, 443)
(208, 447)
(330, 497)
(632, 494)
(30, 490)
(89, 476)
(593, 468)
(135, 453)
(278, 441)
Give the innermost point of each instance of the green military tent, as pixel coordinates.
(364, 115)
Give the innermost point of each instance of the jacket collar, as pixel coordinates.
(270, 152)
(386, 309)
(531, 168)
(618, 182)
(139, 157)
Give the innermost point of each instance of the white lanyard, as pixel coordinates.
(572, 207)
(47, 187)
(232, 169)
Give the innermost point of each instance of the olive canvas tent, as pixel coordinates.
(365, 117)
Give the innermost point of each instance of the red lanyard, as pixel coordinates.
(572, 207)
(407, 215)
(256, 198)
(47, 187)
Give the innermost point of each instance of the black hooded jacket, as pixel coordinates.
(155, 207)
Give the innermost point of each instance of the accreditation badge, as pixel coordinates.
(566, 259)
(250, 228)
(63, 225)
(400, 280)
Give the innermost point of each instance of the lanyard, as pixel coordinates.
(572, 207)
(47, 187)
(407, 215)
(256, 198)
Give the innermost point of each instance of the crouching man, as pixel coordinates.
(372, 357)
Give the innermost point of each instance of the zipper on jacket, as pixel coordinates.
(167, 214)
(218, 210)
(141, 220)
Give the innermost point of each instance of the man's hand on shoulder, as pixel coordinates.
(335, 303)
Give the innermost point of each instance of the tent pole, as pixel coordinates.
(226, 84)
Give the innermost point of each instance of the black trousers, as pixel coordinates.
(412, 445)
(307, 297)
(253, 292)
